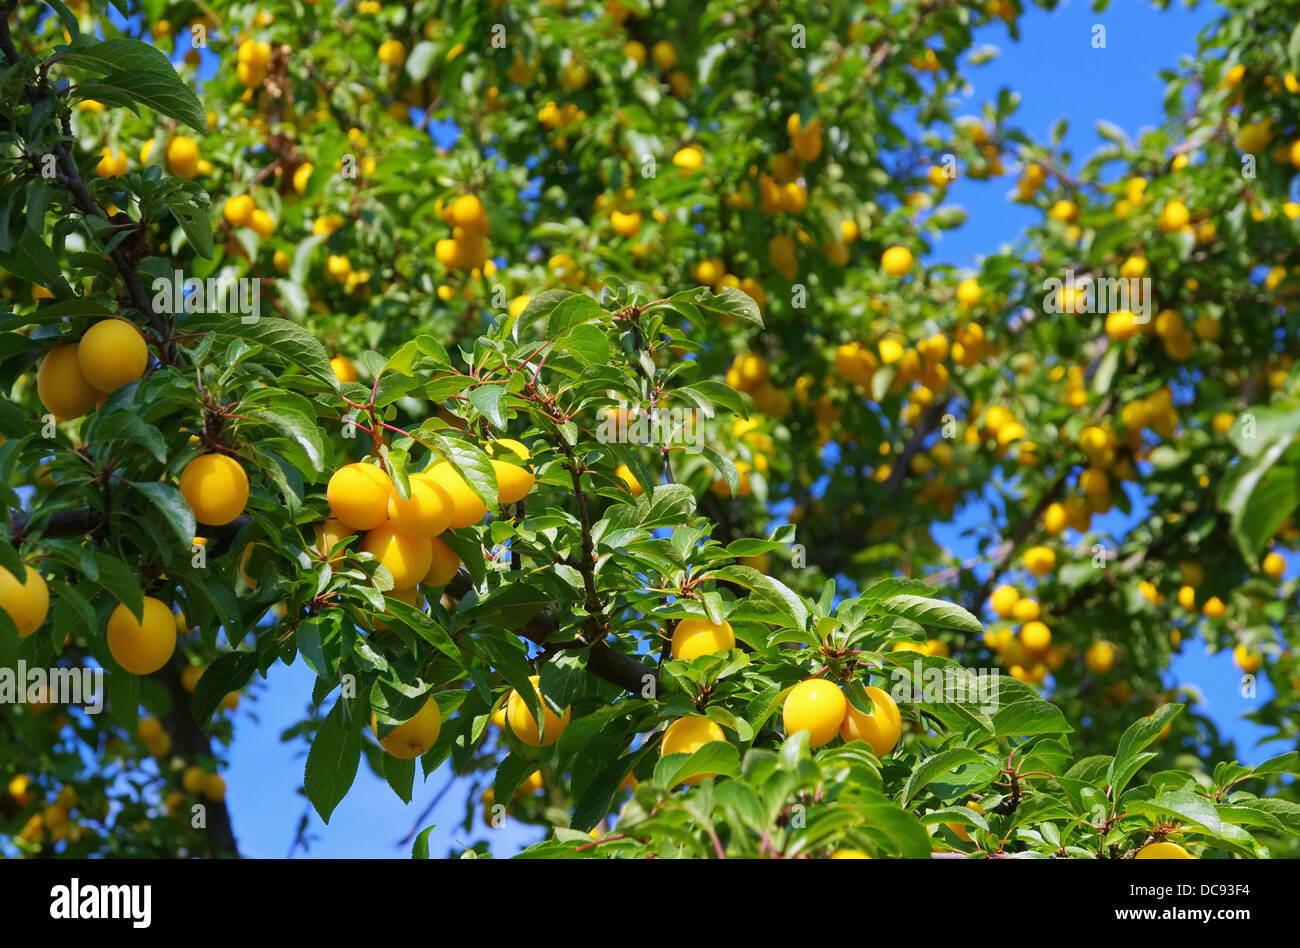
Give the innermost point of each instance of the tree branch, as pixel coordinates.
(602, 661)
(80, 521)
(932, 414)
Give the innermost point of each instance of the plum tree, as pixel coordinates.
(570, 381)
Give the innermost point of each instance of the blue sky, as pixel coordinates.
(1057, 73)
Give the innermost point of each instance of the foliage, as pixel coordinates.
(702, 222)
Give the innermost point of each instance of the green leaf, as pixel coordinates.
(282, 338)
(593, 806)
(176, 512)
(66, 17)
(895, 586)
(902, 829)
(126, 425)
(1033, 716)
(1189, 807)
(542, 306)
(124, 699)
(510, 775)
(715, 757)
(54, 311)
(1288, 763)
(118, 578)
(229, 672)
(116, 55)
(332, 761)
(731, 302)
(931, 612)
(1128, 755)
(196, 224)
(420, 850)
(571, 312)
(424, 625)
(400, 775)
(1284, 811)
(32, 260)
(1267, 426)
(1269, 507)
(293, 416)
(720, 393)
(940, 763)
(488, 401)
(664, 506)
(144, 73)
(588, 344)
(771, 591)
(725, 466)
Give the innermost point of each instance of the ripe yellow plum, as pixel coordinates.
(407, 558)
(467, 507)
(216, 488)
(63, 389)
(443, 566)
(695, 637)
(881, 729)
(426, 513)
(27, 601)
(816, 706)
(142, 647)
(524, 725)
(414, 737)
(686, 736)
(358, 496)
(111, 354)
(1163, 850)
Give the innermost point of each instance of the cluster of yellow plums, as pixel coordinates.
(466, 248)
(55, 818)
(195, 779)
(816, 705)
(240, 210)
(402, 532)
(140, 646)
(214, 485)
(1028, 654)
(75, 377)
(415, 736)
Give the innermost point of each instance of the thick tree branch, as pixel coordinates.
(1002, 554)
(602, 661)
(80, 521)
(192, 742)
(932, 414)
